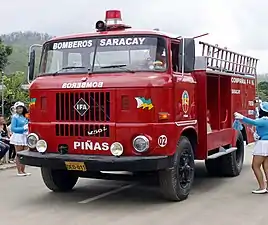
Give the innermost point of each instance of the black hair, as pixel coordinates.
(262, 113)
(24, 111)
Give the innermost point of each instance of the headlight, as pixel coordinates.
(116, 149)
(41, 146)
(32, 139)
(141, 143)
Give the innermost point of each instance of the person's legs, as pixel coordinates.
(12, 153)
(23, 166)
(4, 148)
(19, 166)
(256, 167)
(265, 168)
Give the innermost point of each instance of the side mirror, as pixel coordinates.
(31, 66)
(186, 55)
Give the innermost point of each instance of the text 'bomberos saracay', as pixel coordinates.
(102, 42)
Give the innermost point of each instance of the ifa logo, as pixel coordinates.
(81, 107)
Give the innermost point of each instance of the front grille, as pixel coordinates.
(99, 103)
(82, 130)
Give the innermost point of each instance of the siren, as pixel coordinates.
(113, 17)
(113, 21)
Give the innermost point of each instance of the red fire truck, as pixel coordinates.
(139, 101)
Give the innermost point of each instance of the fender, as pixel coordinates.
(191, 133)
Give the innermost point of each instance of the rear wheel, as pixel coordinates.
(232, 163)
(58, 180)
(213, 166)
(229, 165)
(176, 182)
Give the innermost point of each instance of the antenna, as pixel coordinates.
(201, 35)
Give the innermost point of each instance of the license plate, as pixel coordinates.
(78, 166)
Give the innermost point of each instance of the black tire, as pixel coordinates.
(173, 183)
(213, 167)
(232, 163)
(58, 180)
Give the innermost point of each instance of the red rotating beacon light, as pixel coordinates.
(113, 21)
(113, 17)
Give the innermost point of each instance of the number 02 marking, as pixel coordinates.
(162, 141)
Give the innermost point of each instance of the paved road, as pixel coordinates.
(26, 201)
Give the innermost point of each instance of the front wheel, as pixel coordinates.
(176, 182)
(58, 180)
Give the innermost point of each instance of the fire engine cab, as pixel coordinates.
(139, 101)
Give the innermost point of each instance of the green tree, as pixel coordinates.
(263, 90)
(13, 91)
(5, 52)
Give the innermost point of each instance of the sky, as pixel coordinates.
(239, 25)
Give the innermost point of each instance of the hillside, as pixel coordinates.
(21, 41)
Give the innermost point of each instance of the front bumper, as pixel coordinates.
(97, 162)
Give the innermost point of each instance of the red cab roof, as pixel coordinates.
(121, 32)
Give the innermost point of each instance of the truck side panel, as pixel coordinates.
(243, 95)
(201, 106)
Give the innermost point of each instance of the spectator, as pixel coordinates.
(12, 151)
(19, 129)
(4, 148)
(4, 139)
(257, 102)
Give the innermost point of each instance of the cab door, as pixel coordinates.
(184, 90)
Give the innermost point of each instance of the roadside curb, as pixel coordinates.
(7, 166)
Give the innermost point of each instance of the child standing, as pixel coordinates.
(19, 129)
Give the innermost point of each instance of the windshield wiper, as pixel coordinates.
(121, 66)
(68, 68)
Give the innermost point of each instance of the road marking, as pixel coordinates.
(103, 195)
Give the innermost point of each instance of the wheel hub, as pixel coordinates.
(185, 169)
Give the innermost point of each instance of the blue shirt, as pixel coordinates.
(261, 126)
(17, 124)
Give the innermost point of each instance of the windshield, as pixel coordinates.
(104, 55)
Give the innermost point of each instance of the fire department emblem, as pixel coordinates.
(81, 107)
(185, 101)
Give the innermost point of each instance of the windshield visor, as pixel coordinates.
(104, 55)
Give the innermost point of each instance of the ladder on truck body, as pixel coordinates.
(224, 60)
